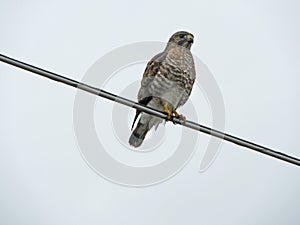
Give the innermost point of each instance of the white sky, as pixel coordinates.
(253, 50)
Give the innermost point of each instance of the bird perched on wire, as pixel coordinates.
(167, 84)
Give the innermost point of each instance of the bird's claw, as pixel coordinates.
(181, 119)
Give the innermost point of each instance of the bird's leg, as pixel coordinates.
(176, 114)
(167, 110)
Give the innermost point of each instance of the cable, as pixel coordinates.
(127, 102)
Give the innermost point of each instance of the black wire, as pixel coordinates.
(124, 101)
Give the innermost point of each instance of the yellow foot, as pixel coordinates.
(167, 110)
(176, 114)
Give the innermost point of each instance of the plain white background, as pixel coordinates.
(252, 48)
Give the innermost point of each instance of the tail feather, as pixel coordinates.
(138, 135)
(146, 122)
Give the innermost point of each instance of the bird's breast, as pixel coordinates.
(180, 61)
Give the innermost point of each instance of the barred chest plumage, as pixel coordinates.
(179, 64)
(178, 74)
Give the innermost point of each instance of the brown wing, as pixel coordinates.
(152, 68)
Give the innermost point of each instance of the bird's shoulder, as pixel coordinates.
(153, 66)
(152, 70)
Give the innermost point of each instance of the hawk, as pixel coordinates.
(167, 84)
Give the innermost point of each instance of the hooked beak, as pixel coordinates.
(190, 38)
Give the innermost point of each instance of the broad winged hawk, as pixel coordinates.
(167, 84)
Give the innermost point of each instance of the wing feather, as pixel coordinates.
(152, 68)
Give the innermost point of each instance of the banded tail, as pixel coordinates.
(138, 135)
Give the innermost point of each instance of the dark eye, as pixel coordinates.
(181, 36)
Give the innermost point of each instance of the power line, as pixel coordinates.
(127, 102)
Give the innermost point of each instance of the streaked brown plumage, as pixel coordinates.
(167, 83)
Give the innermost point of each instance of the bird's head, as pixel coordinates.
(182, 38)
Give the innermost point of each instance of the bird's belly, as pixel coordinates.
(170, 91)
(173, 96)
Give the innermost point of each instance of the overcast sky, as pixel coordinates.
(252, 49)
